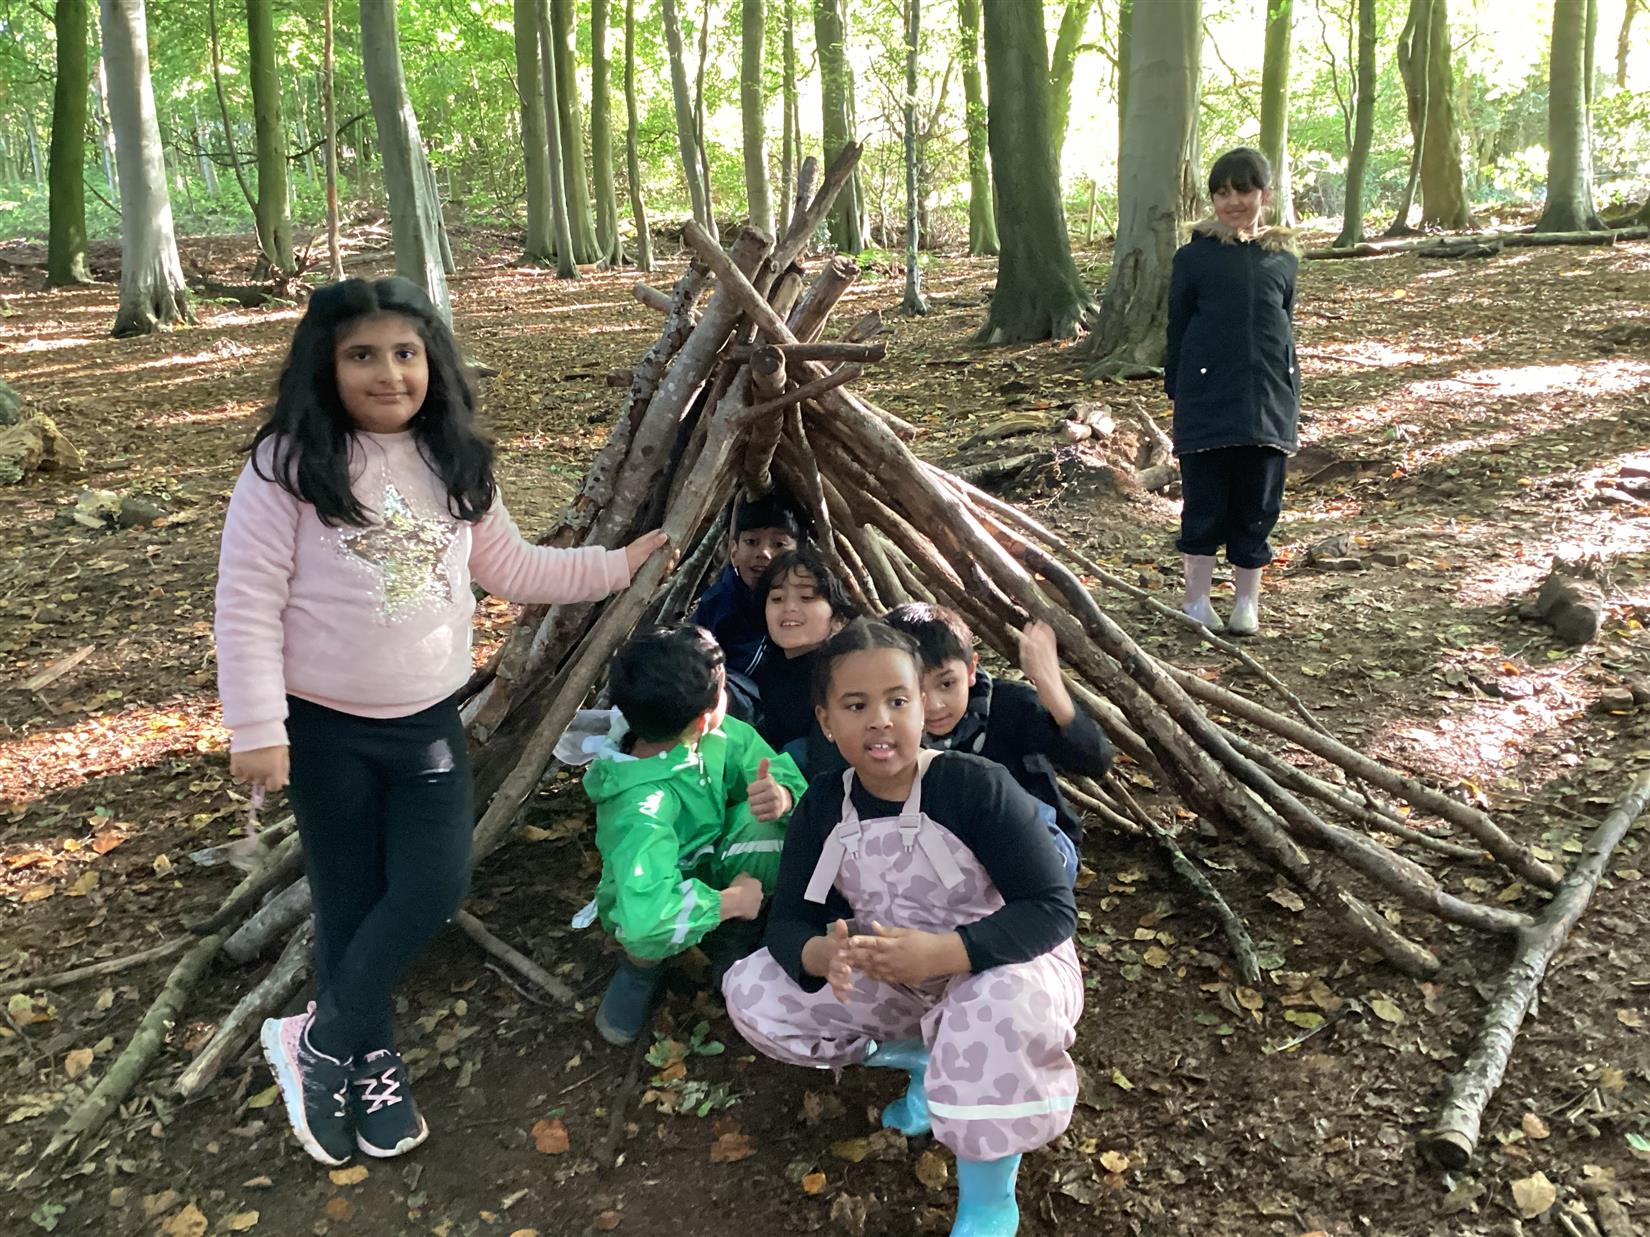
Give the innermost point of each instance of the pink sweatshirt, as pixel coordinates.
(373, 621)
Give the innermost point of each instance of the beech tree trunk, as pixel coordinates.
(271, 214)
(850, 226)
(152, 291)
(575, 183)
(790, 156)
(540, 244)
(415, 227)
(687, 135)
(1274, 107)
(1569, 147)
(1164, 53)
(1063, 67)
(567, 263)
(750, 110)
(1443, 187)
(1363, 129)
(66, 194)
(1412, 67)
(1039, 293)
(982, 212)
(913, 302)
(601, 137)
(1624, 41)
(633, 168)
(1125, 44)
(329, 104)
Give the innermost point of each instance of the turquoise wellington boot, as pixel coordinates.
(985, 1198)
(909, 1113)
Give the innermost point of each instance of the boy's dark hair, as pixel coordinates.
(860, 636)
(311, 431)
(664, 678)
(772, 510)
(1243, 168)
(939, 631)
(807, 558)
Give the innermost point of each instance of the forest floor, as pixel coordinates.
(1457, 413)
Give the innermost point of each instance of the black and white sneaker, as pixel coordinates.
(313, 1085)
(387, 1122)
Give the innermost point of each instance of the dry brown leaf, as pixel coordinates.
(731, 1147)
(851, 1149)
(525, 1232)
(1249, 998)
(1630, 1018)
(339, 1208)
(1534, 1127)
(1114, 1161)
(355, 1174)
(1156, 957)
(1386, 1010)
(606, 1222)
(158, 1204)
(187, 1223)
(813, 1183)
(932, 1170)
(1534, 1195)
(241, 1221)
(674, 1072)
(77, 1062)
(550, 1137)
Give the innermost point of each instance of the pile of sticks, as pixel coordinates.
(738, 392)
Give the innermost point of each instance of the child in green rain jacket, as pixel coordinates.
(691, 808)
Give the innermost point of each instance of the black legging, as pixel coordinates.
(383, 808)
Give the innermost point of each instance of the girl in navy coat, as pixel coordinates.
(1232, 372)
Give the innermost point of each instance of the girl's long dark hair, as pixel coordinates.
(808, 558)
(310, 431)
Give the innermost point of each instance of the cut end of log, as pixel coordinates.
(1449, 1149)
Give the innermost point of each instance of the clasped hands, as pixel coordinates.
(908, 956)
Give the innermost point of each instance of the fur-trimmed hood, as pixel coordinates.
(1273, 240)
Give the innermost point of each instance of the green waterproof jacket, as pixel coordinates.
(659, 825)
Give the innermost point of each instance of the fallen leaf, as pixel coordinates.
(606, 1222)
(932, 1170)
(1534, 1127)
(162, 865)
(158, 1204)
(187, 1223)
(851, 1149)
(813, 1183)
(1156, 957)
(1121, 1080)
(550, 1137)
(339, 1208)
(241, 1221)
(731, 1147)
(1630, 1018)
(525, 1232)
(1386, 1011)
(355, 1174)
(77, 1062)
(1534, 1195)
(87, 882)
(1306, 1019)
(1114, 1161)
(1248, 998)
(1288, 899)
(264, 1098)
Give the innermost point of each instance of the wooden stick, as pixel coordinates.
(265, 1000)
(96, 970)
(282, 863)
(1237, 933)
(810, 390)
(1453, 1138)
(520, 963)
(274, 918)
(651, 297)
(813, 352)
(807, 320)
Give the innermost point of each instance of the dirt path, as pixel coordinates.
(1457, 414)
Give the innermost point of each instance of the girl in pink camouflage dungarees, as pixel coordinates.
(958, 967)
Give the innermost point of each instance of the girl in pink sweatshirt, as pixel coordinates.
(343, 627)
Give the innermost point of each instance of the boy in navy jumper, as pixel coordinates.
(760, 531)
(1034, 729)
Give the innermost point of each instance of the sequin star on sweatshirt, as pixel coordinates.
(373, 621)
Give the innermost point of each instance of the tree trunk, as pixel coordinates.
(1125, 46)
(576, 184)
(699, 111)
(1624, 41)
(790, 156)
(208, 169)
(273, 221)
(1274, 108)
(1039, 293)
(633, 168)
(687, 137)
(913, 302)
(601, 136)
(1569, 155)
(329, 114)
(106, 131)
(750, 108)
(33, 134)
(1163, 70)
(567, 265)
(152, 291)
(540, 245)
(1443, 189)
(982, 213)
(66, 202)
(1063, 66)
(849, 222)
(1412, 67)
(414, 226)
(223, 109)
(1363, 128)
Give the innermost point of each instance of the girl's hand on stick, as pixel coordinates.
(641, 549)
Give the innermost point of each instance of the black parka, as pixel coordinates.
(1231, 367)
